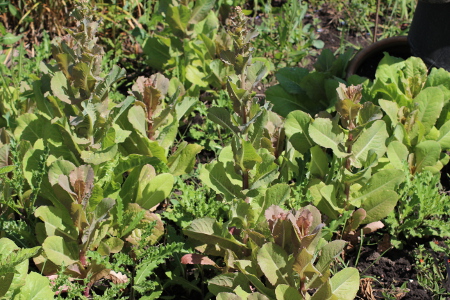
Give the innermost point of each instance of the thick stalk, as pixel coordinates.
(348, 167)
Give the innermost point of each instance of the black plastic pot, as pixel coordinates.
(429, 35)
(366, 61)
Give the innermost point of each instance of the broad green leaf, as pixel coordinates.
(99, 156)
(444, 136)
(274, 195)
(195, 76)
(111, 245)
(247, 156)
(283, 102)
(227, 283)
(46, 107)
(157, 51)
(324, 292)
(379, 205)
(388, 179)
(372, 138)
(7, 169)
(274, 263)
(388, 68)
(319, 162)
(183, 160)
(427, 154)
(9, 38)
(137, 118)
(397, 153)
(57, 221)
(61, 252)
(369, 112)
(286, 292)
(228, 296)
(178, 18)
(37, 287)
(391, 109)
(59, 167)
(289, 79)
(201, 10)
(328, 135)
(328, 253)
(209, 231)
(83, 78)
(251, 274)
(296, 128)
(13, 266)
(266, 171)
(222, 116)
(32, 127)
(62, 89)
(215, 176)
(103, 208)
(345, 284)
(257, 71)
(431, 102)
(257, 296)
(128, 163)
(313, 84)
(155, 190)
(32, 162)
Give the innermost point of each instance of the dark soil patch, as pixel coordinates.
(332, 37)
(390, 270)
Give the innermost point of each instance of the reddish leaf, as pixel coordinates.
(190, 259)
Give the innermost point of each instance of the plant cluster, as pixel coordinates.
(104, 194)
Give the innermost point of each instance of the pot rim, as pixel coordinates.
(373, 49)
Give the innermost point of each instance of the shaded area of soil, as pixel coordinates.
(391, 271)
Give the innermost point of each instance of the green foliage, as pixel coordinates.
(247, 166)
(192, 201)
(284, 36)
(311, 92)
(432, 267)
(421, 212)
(285, 247)
(353, 176)
(417, 111)
(15, 281)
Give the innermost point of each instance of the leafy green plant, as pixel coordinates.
(188, 46)
(248, 164)
(283, 34)
(417, 111)
(191, 201)
(311, 92)
(422, 210)
(281, 257)
(15, 281)
(433, 267)
(353, 176)
(74, 151)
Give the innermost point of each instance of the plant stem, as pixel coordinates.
(348, 167)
